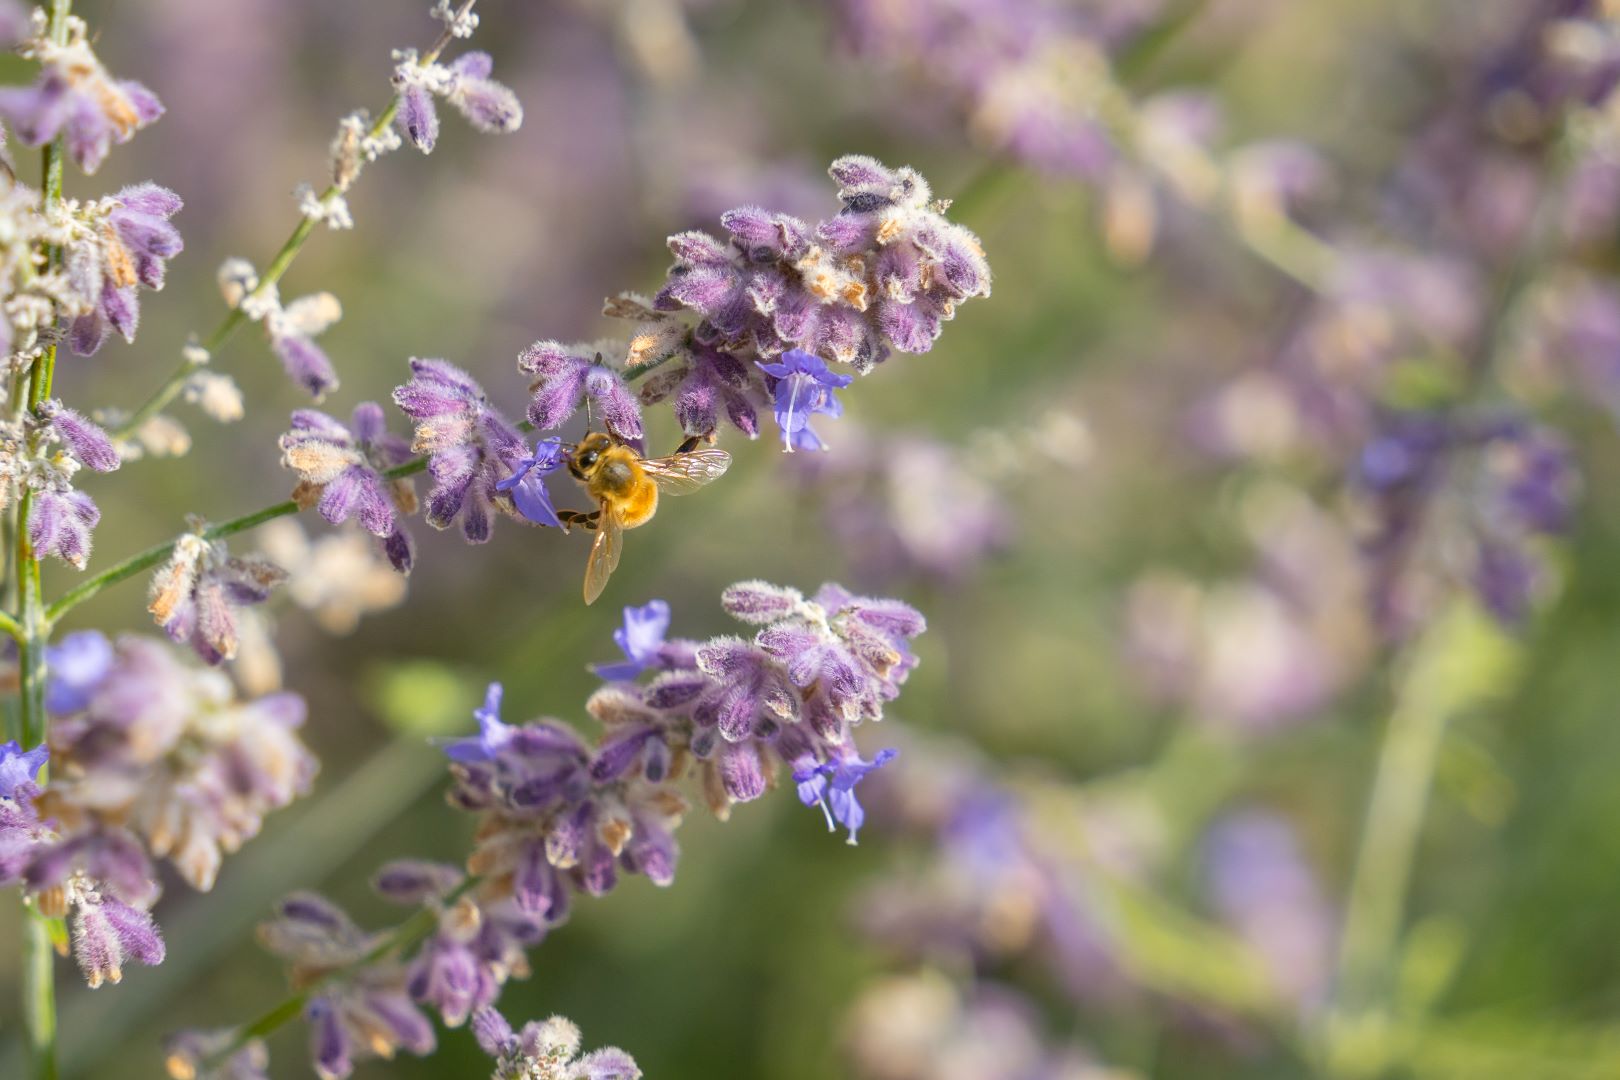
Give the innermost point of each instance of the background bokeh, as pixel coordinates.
(1060, 419)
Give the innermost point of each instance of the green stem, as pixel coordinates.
(403, 936)
(39, 994)
(149, 558)
(33, 633)
(1383, 869)
(279, 264)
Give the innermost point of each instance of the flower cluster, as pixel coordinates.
(111, 248)
(547, 1050)
(40, 454)
(736, 708)
(754, 321)
(881, 275)
(195, 596)
(150, 760)
(1462, 498)
(561, 816)
(148, 748)
(341, 474)
(477, 459)
(77, 98)
(464, 83)
(103, 883)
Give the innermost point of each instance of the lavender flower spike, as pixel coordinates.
(471, 447)
(130, 243)
(802, 386)
(194, 596)
(640, 639)
(465, 83)
(341, 474)
(569, 376)
(77, 98)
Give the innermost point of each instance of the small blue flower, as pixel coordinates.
(493, 736)
(77, 665)
(640, 638)
(19, 766)
(526, 486)
(831, 785)
(804, 387)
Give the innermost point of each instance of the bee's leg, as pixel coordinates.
(577, 517)
(690, 444)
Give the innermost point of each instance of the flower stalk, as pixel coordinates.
(283, 260)
(32, 631)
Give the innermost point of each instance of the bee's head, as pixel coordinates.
(586, 453)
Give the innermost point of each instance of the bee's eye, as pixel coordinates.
(587, 459)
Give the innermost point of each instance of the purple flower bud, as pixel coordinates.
(418, 117)
(495, 1036)
(88, 442)
(415, 881)
(306, 363)
(59, 524)
(759, 602)
(78, 664)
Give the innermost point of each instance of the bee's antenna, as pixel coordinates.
(590, 421)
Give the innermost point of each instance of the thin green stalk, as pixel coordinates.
(283, 259)
(39, 994)
(152, 556)
(1395, 812)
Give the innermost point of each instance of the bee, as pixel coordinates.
(626, 487)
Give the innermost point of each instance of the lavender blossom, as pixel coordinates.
(59, 524)
(60, 518)
(526, 487)
(708, 384)
(167, 756)
(471, 447)
(550, 827)
(195, 595)
(365, 1014)
(476, 947)
(831, 786)
(128, 245)
(293, 331)
(464, 83)
(1521, 483)
(77, 98)
(883, 274)
(567, 377)
(640, 639)
(341, 472)
(802, 386)
(1261, 885)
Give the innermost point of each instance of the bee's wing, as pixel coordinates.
(605, 551)
(681, 474)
